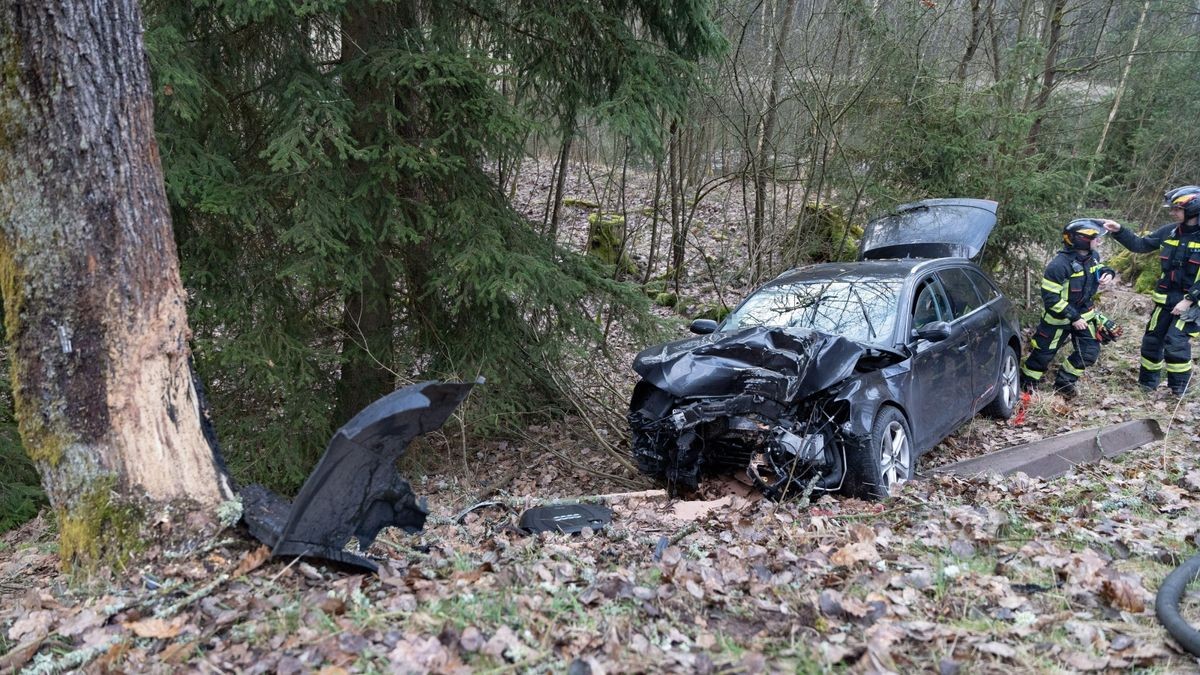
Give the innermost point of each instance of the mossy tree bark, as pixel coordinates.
(94, 307)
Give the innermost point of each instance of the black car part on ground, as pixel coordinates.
(565, 518)
(355, 490)
(1166, 605)
(763, 400)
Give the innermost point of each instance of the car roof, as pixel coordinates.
(899, 268)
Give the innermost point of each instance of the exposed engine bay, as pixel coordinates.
(773, 402)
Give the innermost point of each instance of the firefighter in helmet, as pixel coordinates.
(1069, 283)
(1167, 342)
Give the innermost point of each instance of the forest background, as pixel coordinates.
(371, 194)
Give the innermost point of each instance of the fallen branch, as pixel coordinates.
(529, 502)
(583, 415)
(45, 664)
(172, 609)
(619, 479)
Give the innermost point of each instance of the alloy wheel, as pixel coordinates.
(895, 455)
(1010, 381)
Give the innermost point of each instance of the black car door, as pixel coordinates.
(935, 401)
(983, 339)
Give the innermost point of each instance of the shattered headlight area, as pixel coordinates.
(761, 400)
(786, 452)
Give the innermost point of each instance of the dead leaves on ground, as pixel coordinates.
(949, 576)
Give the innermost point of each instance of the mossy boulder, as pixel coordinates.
(666, 299)
(714, 311)
(655, 286)
(821, 233)
(1140, 270)
(605, 237)
(579, 203)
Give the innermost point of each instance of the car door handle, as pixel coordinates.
(962, 347)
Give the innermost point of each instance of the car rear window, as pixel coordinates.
(863, 310)
(962, 292)
(984, 285)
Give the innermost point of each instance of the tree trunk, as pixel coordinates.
(1116, 105)
(655, 209)
(560, 176)
(95, 310)
(1053, 35)
(973, 39)
(367, 326)
(675, 193)
(766, 140)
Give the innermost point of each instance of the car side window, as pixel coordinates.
(987, 290)
(930, 304)
(961, 290)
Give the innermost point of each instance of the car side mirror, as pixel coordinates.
(703, 326)
(935, 331)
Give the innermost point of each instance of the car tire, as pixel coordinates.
(889, 460)
(1008, 387)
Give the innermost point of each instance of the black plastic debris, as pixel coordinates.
(565, 518)
(355, 490)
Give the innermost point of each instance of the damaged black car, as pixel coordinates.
(838, 376)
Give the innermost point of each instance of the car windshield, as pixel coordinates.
(863, 310)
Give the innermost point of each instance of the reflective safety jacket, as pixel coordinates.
(1069, 284)
(1179, 254)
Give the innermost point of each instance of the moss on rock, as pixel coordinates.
(579, 203)
(714, 311)
(605, 241)
(666, 299)
(1141, 271)
(821, 233)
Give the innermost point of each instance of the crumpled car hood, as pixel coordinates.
(785, 364)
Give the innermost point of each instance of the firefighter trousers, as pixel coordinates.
(1045, 343)
(1167, 346)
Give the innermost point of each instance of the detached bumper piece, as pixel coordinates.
(355, 490)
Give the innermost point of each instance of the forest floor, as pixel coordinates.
(949, 575)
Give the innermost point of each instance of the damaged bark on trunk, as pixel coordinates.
(94, 307)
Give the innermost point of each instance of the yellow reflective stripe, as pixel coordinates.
(1171, 242)
(1054, 321)
(1088, 315)
(1032, 374)
(1066, 365)
(1077, 274)
(1151, 365)
(1179, 325)
(1179, 367)
(1057, 335)
(1159, 298)
(1194, 244)
(1048, 285)
(1058, 306)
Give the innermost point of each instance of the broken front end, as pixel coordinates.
(765, 401)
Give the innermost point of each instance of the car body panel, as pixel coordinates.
(931, 228)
